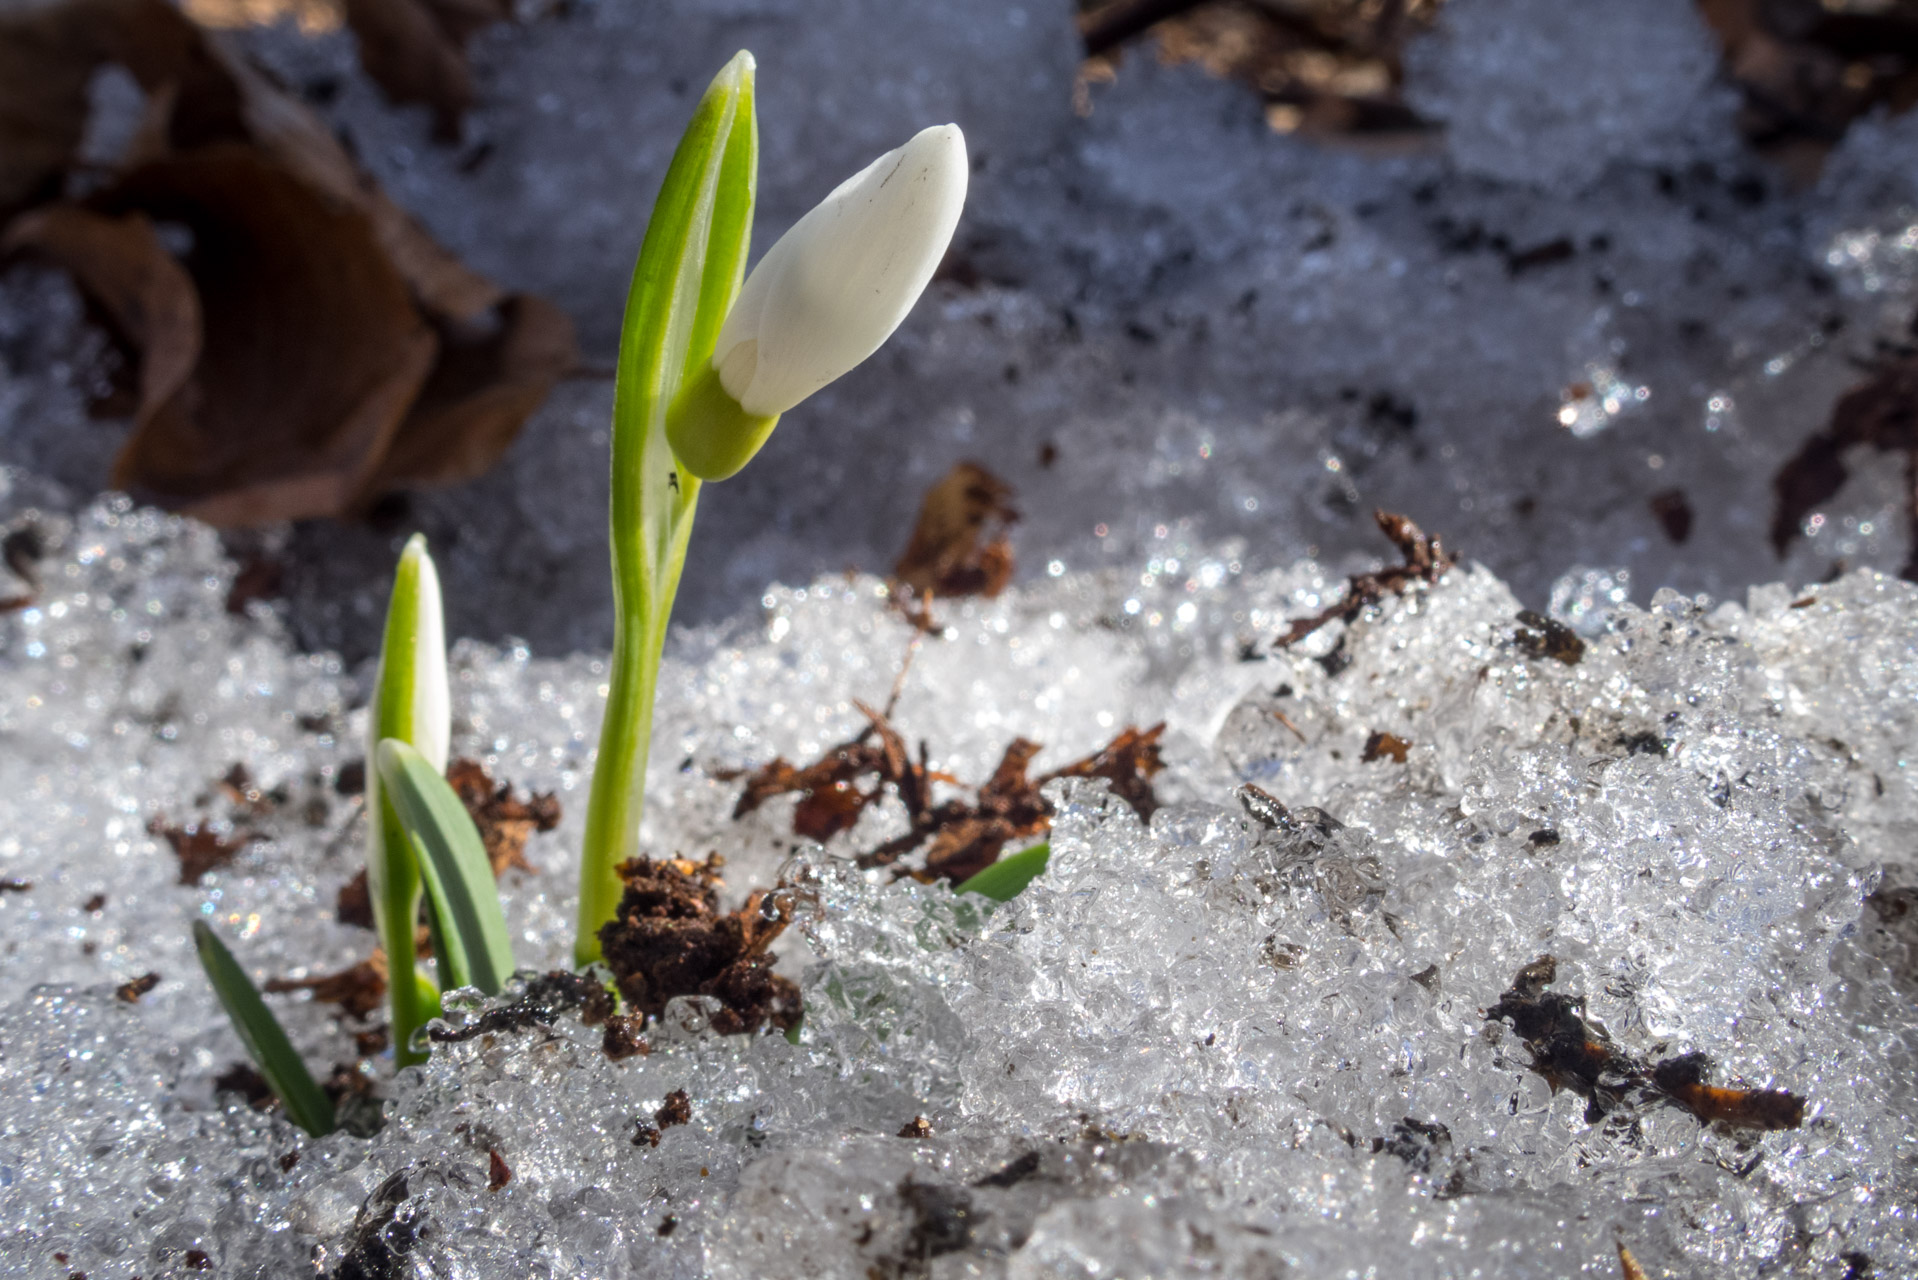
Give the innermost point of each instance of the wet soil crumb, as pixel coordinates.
(199, 847)
(1881, 413)
(1426, 561)
(917, 1127)
(959, 545)
(385, 1231)
(539, 1005)
(960, 838)
(1015, 1172)
(354, 905)
(623, 1039)
(359, 991)
(243, 1079)
(1573, 1052)
(667, 1225)
(505, 822)
(198, 1260)
(94, 905)
(1416, 1142)
(497, 1172)
(1543, 838)
(670, 939)
(1384, 746)
(676, 1109)
(1673, 511)
(130, 992)
(1541, 637)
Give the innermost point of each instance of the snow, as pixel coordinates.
(1198, 1047)
(1174, 1054)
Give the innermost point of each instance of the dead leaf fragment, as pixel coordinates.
(358, 991)
(960, 837)
(415, 50)
(505, 822)
(1384, 746)
(199, 847)
(1425, 561)
(958, 545)
(1572, 1051)
(130, 992)
(497, 1172)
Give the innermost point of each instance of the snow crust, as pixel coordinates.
(1198, 1047)
(1219, 330)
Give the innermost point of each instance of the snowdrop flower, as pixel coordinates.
(823, 299)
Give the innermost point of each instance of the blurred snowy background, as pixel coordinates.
(1566, 316)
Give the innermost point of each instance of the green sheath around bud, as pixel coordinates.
(712, 436)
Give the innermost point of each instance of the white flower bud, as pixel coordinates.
(835, 286)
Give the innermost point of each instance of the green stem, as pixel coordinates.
(689, 271)
(625, 735)
(410, 1010)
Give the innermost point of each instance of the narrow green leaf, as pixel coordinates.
(479, 951)
(1007, 878)
(260, 1032)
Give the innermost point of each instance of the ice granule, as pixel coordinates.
(1199, 1047)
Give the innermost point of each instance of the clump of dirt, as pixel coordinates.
(540, 1004)
(1571, 1051)
(961, 837)
(677, 1108)
(670, 939)
(1541, 637)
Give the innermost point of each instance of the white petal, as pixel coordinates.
(432, 698)
(836, 286)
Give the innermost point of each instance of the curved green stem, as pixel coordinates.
(689, 271)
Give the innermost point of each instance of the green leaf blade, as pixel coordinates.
(264, 1038)
(453, 861)
(1007, 878)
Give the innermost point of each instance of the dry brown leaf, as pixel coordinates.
(147, 297)
(482, 390)
(340, 350)
(415, 50)
(958, 545)
(45, 63)
(961, 838)
(312, 354)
